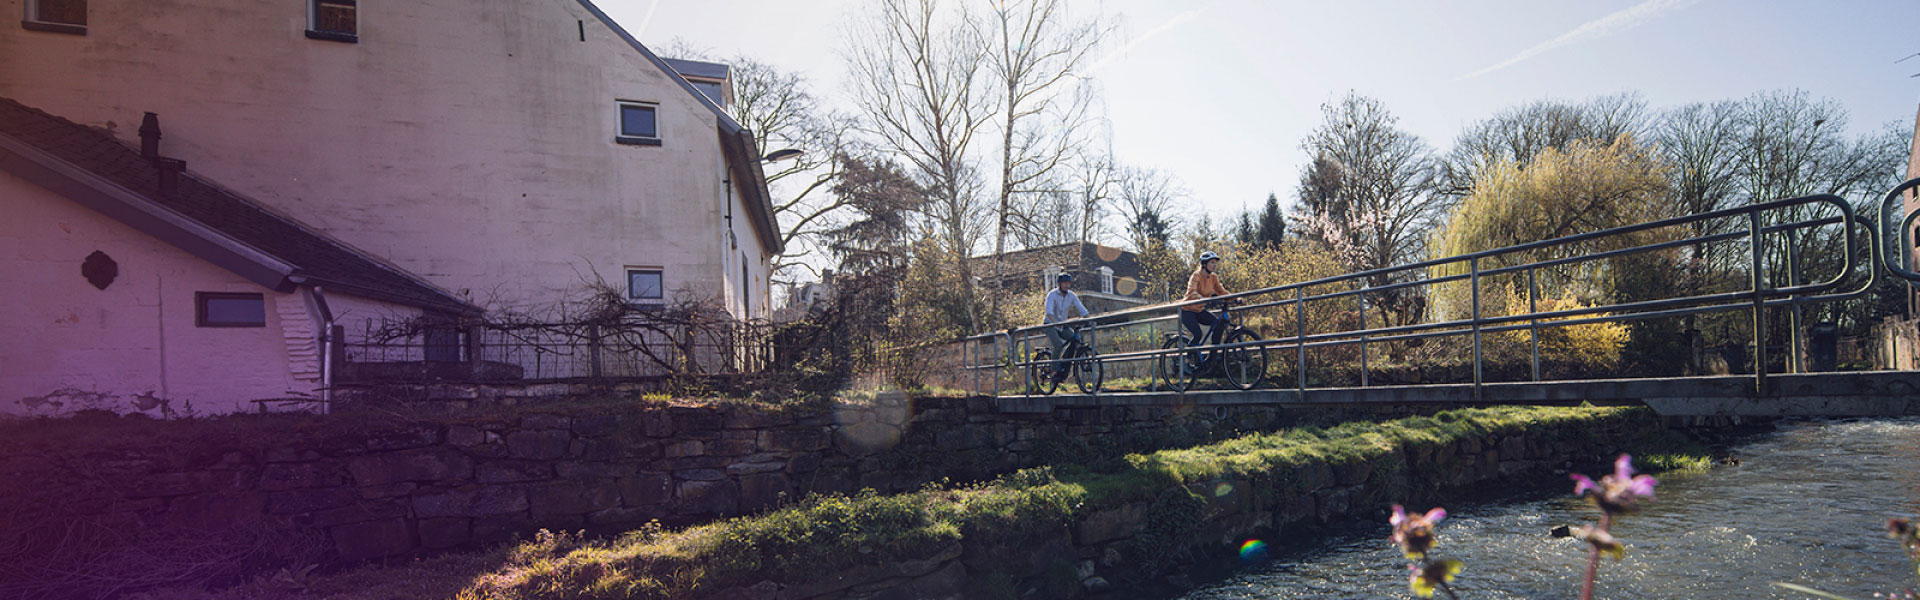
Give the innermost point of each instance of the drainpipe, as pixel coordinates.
(327, 343)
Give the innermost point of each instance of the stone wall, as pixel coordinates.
(369, 486)
(1138, 543)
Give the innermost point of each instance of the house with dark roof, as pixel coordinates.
(1107, 279)
(187, 213)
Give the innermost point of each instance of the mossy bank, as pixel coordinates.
(1064, 531)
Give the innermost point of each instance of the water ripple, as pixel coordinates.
(1808, 504)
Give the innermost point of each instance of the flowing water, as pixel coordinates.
(1806, 504)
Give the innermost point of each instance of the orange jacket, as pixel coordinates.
(1202, 285)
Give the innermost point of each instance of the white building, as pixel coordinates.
(429, 156)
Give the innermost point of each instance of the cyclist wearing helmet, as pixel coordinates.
(1061, 301)
(1203, 284)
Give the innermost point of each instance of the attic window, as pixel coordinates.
(58, 16)
(217, 309)
(711, 88)
(638, 125)
(334, 20)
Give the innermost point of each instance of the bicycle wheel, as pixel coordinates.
(1244, 366)
(1087, 371)
(1161, 368)
(1040, 374)
(1181, 370)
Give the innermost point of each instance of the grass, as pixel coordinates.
(1021, 511)
(832, 534)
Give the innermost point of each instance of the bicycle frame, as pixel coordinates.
(1222, 325)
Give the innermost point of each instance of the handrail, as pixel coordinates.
(1836, 201)
(1759, 295)
(1901, 268)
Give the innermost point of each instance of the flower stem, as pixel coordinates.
(1449, 590)
(1593, 559)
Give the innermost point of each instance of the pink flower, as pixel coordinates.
(1414, 533)
(1617, 493)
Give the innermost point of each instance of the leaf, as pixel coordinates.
(1810, 591)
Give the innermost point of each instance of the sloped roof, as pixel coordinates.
(91, 167)
(1071, 255)
(698, 68)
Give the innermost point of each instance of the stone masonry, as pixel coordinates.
(408, 488)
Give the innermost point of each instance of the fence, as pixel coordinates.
(550, 352)
(1343, 320)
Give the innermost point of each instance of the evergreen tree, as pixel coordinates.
(1244, 230)
(1273, 226)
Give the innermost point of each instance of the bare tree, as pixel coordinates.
(1147, 199)
(1517, 134)
(914, 79)
(780, 109)
(1036, 49)
(1095, 176)
(1369, 193)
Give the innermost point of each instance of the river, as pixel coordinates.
(1807, 504)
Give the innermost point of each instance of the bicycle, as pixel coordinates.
(1080, 361)
(1243, 366)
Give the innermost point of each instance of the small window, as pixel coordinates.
(59, 16)
(711, 88)
(637, 124)
(644, 285)
(215, 309)
(336, 20)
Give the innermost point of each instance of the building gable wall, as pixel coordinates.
(471, 143)
(66, 345)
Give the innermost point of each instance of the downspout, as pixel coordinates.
(327, 341)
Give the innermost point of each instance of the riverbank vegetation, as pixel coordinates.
(822, 535)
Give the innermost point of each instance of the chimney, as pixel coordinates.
(170, 169)
(150, 137)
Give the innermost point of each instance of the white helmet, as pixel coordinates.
(1207, 256)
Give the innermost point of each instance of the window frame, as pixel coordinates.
(620, 125)
(313, 22)
(31, 20)
(200, 309)
(660, 291)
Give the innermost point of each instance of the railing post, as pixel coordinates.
(1759, 305)
(1023, 354)
(996, 365)
(968, 356)
(1093, 339)
(1363, 336)
(1794, 364)
(1533, 326)
(1300, 337)
(1473, 265)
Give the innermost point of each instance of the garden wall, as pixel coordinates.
(273, 490)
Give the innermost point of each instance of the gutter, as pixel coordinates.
(136, 211)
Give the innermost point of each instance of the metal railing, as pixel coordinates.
(992, 354)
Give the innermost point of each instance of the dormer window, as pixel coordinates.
(58, 16)
(335, 20)
(714, 89)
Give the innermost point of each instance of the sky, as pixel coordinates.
(1220, 93)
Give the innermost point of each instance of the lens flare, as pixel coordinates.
(1253, 549)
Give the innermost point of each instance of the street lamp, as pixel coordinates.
(779, 155)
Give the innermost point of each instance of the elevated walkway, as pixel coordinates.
(1846, 394)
